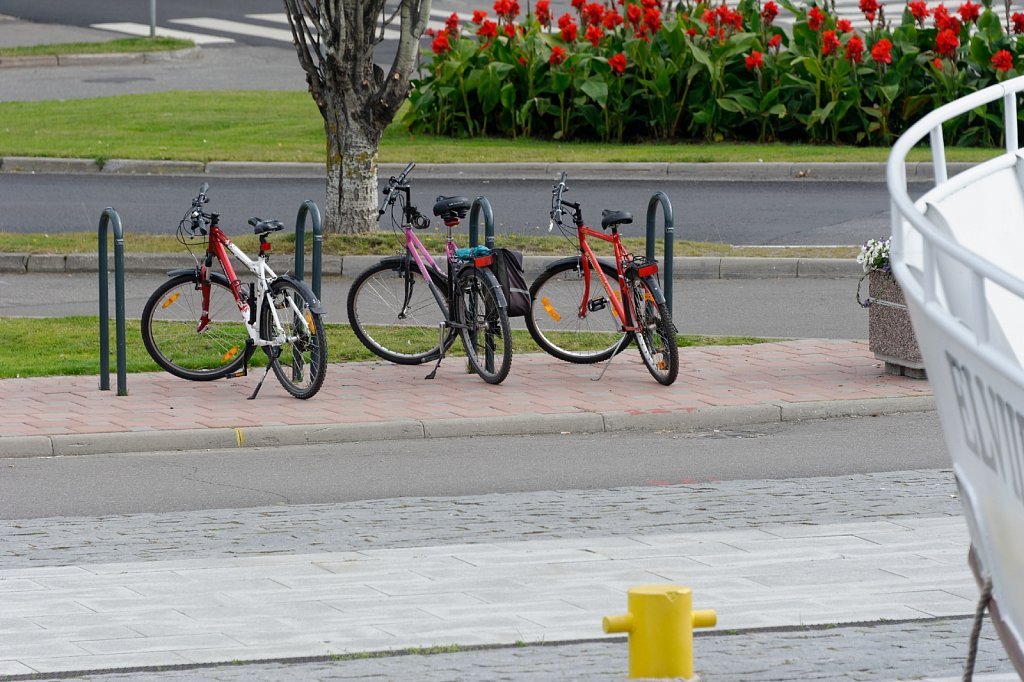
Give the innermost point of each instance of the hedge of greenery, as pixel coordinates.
(630, 71)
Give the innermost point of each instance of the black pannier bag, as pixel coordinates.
(508, 268)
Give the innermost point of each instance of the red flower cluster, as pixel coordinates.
(558, 56)
(754, 60)
(944, 21)
(844, 26)
(594, 34)
(946, 43)
(775, 41)
(451, 24)
(568, 28)
(506, 9)
(1002, 61)
(543, 13)
(815, 18)
(488, 29)
(919, 10)
(618, 63)
(855, 49)
(441, 44)
(829, 42)
(869, 8)
(769, 12)
(969, 11)
(1018, 22)
(478, 16)
(881, 51)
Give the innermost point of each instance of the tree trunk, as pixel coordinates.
(352, 179)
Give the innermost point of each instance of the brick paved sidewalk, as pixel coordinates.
(717, 385)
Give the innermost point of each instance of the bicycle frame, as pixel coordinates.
(218, 247)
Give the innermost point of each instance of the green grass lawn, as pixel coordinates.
(105, 47)
(63, 346)
(286, 126)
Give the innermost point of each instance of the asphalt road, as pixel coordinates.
(162, 482)
(758, 213)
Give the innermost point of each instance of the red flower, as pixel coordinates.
(919, 9)
(969, 11)
(543, 12)
(712, 32)
(754, 60)
(441, 44)
(941, 15)
(815, 18)
(937, 63)
(829, 42)
(593, 13)
(691, 32)
(618, 63)
(578, 4)
(844, 26)
(451, 24)
(569, 28)
(881, 51)
(488, 29)
(611, 19)
(522, 61)
(478, 16)
(634, 14)
(775, 41)
(727, 17)
(510, 30)
(1002, 60)
(652, 18)
(558, 56)
(855, 49)
(946, 43)
(594, 34)
(506, 9)
(869, 8)
(769, 12)
(1018, 22)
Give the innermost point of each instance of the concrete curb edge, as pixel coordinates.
(64, 445)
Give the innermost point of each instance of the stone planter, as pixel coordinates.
(890, 333)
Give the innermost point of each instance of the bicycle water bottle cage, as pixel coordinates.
(265, 226)
(452, 209)
(611, 218)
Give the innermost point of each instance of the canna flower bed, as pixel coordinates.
(633, 70)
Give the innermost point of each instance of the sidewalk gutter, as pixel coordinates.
(678, 172)
(695, 267)
(712, 417)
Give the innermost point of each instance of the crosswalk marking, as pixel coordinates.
(134, 29)
(238, 27)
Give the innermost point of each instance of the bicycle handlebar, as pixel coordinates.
(393, 183)
(556, 202)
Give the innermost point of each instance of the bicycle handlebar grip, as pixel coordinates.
(408, 169)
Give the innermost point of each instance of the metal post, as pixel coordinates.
(481, 203)
(310, 208)
(666, 208)
(110, 217)
(152, 18)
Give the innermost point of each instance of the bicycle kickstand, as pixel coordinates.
(277, 352)
(618, 346)
(440, 352)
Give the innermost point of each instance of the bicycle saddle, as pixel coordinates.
(450, 208)
(610, 217)
(263, 226)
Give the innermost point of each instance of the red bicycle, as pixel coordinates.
(202, 325)
(575, 320)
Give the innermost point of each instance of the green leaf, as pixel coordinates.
(596, 89)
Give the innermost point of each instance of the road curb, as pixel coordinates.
(64, 445)
(98, 59)
(684, 267)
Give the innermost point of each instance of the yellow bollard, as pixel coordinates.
(660, 624)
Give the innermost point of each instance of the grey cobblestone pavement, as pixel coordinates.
(881, 650)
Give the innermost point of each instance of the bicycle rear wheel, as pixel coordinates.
(556, 323)
(300, 364)
(185, 344)
(394, 314)
(657, 336)
(483, 325)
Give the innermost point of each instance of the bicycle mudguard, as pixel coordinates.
(578, 261)
(215, 276)
(307, 292)
(494, 284)
(655, 288)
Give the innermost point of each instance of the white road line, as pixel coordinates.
(238, 27)
(133, 29)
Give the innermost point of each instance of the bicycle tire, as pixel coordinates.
(483, 324)
(556, 297)
(171, 321)
(406, 335)
(656, 338)
(300, 365)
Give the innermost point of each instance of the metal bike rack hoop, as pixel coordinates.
(111, 218)
(309, 208)
(669, 235)
(481, 204)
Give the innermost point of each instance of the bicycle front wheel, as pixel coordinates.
(568, 325)
(483, 325)
(394, 314)
(188, 344)
(657, 335)
(300, 362)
